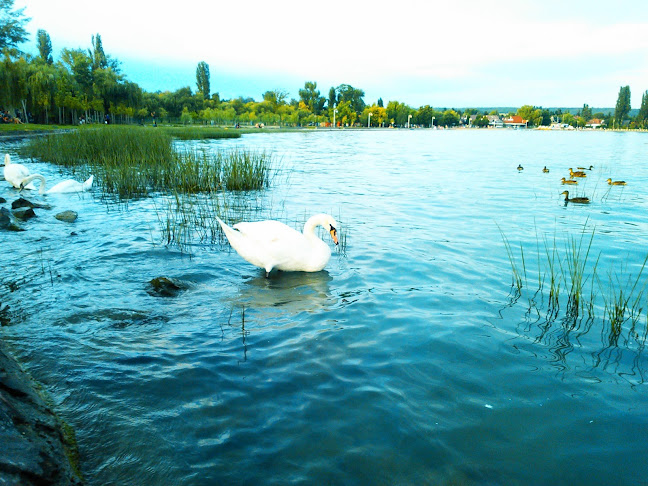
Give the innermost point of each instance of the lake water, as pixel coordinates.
(410, 360)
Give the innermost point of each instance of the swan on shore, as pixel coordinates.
(274, 245)
(15, 174)
(69, 185)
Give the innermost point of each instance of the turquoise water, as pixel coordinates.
(410, 360)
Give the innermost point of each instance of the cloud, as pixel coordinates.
(453, 47)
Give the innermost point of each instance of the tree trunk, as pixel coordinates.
(24, 106)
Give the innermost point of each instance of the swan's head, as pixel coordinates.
(333, 232)
(331, 226)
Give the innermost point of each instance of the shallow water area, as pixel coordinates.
(410, 360)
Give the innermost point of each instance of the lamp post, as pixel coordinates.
(409, 117)
(334, 112)
(369, 120)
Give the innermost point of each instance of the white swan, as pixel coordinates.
(69, 185)
(271, 244)
(15, 174)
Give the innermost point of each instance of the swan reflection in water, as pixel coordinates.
(287, 293)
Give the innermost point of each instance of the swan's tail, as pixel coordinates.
(88, 184)
(231, 233)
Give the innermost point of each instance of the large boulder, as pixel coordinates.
(37, 447)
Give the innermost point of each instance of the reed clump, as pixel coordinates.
(200, 133)
(575, 288)
(135, 161)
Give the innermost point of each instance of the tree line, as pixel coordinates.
(87, 85)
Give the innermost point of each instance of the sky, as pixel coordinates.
(455, 53)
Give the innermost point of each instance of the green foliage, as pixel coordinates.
(481, 122)
(99, 59)
(398, 113)
(202, 78)
(642, 116)
(532, 114)
(12, 30)
(44, 45)
(310, 95)
(622, 106)
(332, 98)
(351, 95)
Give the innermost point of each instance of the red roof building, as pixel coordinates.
(515, 121)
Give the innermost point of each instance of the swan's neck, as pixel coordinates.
(312, 223)
(27, 180)
(7, 160)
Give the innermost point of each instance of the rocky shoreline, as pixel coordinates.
(38, 448)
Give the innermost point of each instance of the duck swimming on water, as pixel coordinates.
(577, 200)
(568, 181)
(520, 168)
(616, 183)
(578, 173)
(545, 170)
(585, 168)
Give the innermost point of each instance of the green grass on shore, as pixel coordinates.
(12, 128)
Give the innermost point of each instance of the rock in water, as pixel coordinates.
(67, 216)
(36, 445)
(21, 202)
(24, 213)
(7, 221)
(166, 287)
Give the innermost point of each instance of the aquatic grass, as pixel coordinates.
(623, 300)
(245, 170)
(517, 278)
(567, 271)
(576, 268)
(187, 220)
(200, 133)
(130, 162)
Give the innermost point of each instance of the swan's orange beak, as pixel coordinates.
(334, 235)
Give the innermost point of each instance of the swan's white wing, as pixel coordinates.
(14, 174)
(279, 246)
(70, 185)
(272, 244)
